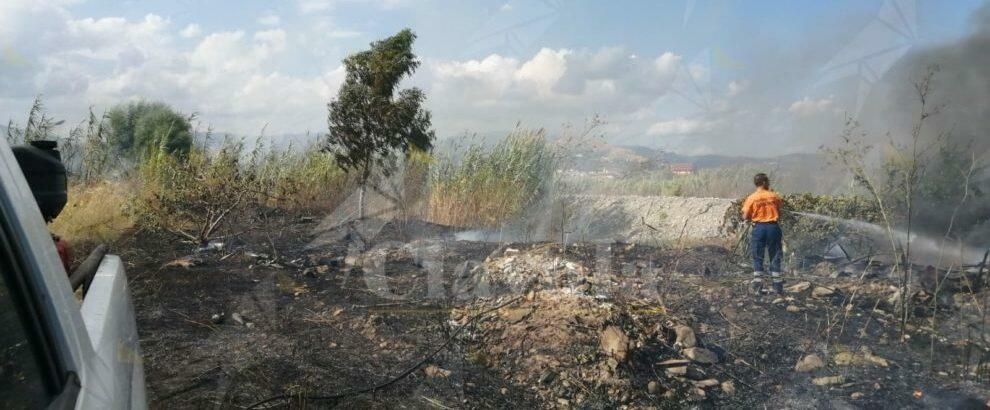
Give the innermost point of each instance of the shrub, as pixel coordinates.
(142, 128)
(303, 180)
(96, 213)
(192, 197)
(487, 186)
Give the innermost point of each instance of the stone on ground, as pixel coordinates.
(701, 355)
(809, 363)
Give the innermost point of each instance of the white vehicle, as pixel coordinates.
(55, 350)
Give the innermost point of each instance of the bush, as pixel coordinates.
(192, 197)
(202, 194)
(304, 180)
(488, 185)
(95, 213)
(142, 128)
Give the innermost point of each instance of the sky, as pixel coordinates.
(692, 76)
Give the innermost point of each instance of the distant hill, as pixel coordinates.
(713, 161)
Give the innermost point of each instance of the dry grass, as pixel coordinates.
(487, 186)
(95, 213)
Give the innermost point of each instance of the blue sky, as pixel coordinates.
(689, 75)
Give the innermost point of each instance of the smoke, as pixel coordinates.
(962, 88)
(962, 84)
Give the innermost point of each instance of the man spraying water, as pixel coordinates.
(763, 209)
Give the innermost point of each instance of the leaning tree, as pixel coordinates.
(371, 122)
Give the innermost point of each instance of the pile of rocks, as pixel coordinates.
(542, 266)
(558, 343)
(572, 349)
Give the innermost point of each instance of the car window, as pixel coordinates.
(21, 379)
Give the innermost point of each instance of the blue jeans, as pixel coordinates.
(767, 237)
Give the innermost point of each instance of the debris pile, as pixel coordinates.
(578, 350)
(542, 266)
(558, 343)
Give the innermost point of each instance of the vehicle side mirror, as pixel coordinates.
(45, 174)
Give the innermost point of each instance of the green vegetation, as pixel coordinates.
(140, 128)
(203, 195)
(39, 125)
(370, 122)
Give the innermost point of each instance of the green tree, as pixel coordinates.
(139, 127)
(371, 122)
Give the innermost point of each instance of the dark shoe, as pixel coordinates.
(778, 286)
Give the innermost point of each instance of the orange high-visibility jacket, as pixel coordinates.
(762, 206)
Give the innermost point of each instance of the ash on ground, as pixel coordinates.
(542, 325)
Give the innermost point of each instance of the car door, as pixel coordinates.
(35, 368)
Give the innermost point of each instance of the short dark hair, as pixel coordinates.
(761, 180)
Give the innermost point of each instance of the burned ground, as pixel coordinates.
(267, 315)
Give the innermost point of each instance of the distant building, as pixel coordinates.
(682, 169)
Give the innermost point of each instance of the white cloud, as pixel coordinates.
(319, 6)
(679, 126)
(269, 20)
(506, 7)
(667, 63)
(314, 6)
(342, 33)
(191, 31)
(736, 88)
(230, 78)
(808, 107)
(548, 88)
(546, 67)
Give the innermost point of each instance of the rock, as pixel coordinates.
(435, 371)
(822, 292)
(706, 383)
(729, 387)
(798, 287)
(870, 357)
(778, 301)
(563, 402)
(794, 309)
(809, 363)
(615, 343)
(676, 371)
(652, 387)
(685, 337)
(237, 318)
(863, 357)
(828, 380)
(844, 358)
(856, 395)
(612, 363)
(701, 355)
(217, 318)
